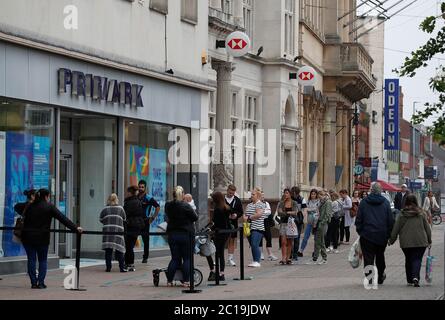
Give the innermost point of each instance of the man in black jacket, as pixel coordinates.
(236, 207)
(135, 225)
(374, 225)
(400, 198)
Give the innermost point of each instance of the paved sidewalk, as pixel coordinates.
(335, 280)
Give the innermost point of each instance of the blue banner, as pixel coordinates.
(41, 160)
(157, 182)
(391, 114)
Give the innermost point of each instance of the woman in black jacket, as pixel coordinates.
(135, 224)
(180, 219)
(221, 221)
(21, 207)
(36, 235)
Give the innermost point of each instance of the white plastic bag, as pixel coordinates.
(355, 254)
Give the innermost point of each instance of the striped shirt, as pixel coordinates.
(251, 210)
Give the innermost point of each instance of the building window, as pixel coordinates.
(189, 11)
(159, 5)
(250, 126)
(248, 17)
(289, 27)
(27, 153)
(226, 6)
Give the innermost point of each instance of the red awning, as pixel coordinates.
(388, 186)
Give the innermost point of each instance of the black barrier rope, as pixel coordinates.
(191, 248)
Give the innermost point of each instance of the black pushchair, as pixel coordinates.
(203, 246)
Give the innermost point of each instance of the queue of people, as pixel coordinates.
(327, 216)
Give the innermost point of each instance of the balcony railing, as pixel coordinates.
(222, 16)
(355, 58)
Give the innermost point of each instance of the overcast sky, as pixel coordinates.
(402, 33)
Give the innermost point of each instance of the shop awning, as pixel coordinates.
(388, 186)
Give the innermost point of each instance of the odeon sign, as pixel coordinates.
(99, 88)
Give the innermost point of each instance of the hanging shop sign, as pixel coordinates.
(392, 114)
(306, 76)
(237, 44)
(99, 88)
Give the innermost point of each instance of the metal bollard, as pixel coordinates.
(78, 249)
(241, 253)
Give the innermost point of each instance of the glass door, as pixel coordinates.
(65, 204)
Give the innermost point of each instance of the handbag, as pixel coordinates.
(19, 225)
(246, 229)
(291, 229)
(355, 254)
(354, 210)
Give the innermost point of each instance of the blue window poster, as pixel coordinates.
(157, 183)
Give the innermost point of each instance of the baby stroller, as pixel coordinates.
(204, 246)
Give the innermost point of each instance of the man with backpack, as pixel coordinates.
(148, 202)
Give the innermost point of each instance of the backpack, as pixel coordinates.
(336, 209)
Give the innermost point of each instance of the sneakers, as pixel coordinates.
(222, 278)
(231, 263)
(212, 276)
(311, 262)
(34, 286)
(323, 261)
(336, 251)
(300, 254)
(124, 270)
(328, 250)
(254, 265)
(416, 282)
(131, 268)
(272, 258)
(144, 260)
(262, 256)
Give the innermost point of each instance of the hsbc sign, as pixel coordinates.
(238, 44)
(306, 76)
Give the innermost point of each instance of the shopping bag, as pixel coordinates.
(429, 267)
(291, 229)
(355, 254)
(246, 229)
(138, 243)
(276, 220)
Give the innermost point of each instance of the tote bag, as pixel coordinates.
(291, 230)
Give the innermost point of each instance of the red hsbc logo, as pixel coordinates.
(306, 76)
(237, 44)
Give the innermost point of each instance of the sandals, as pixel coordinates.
(289, 261)
(282, 262)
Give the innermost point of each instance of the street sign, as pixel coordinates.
(416, 185)
(430, 172)
(358, 170)
(237, 44)
(306, 76)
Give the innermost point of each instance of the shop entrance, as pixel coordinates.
(66, 203)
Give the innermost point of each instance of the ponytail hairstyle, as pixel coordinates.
(178, 193)
(29, 194)
(41, 195)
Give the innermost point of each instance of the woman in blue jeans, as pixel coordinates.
(180, 219)
(313, 205)
(35, 236)
(255, 215)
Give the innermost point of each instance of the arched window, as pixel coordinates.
(289, 113)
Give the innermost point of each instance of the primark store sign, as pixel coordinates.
(99, 88)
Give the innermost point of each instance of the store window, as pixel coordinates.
(147, 158)
(26, 161)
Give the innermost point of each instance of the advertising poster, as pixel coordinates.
(41, 161)
(139, 164)
(19, 148)
(157, 184)
(2, 184)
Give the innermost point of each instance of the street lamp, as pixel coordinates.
(413, 174)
